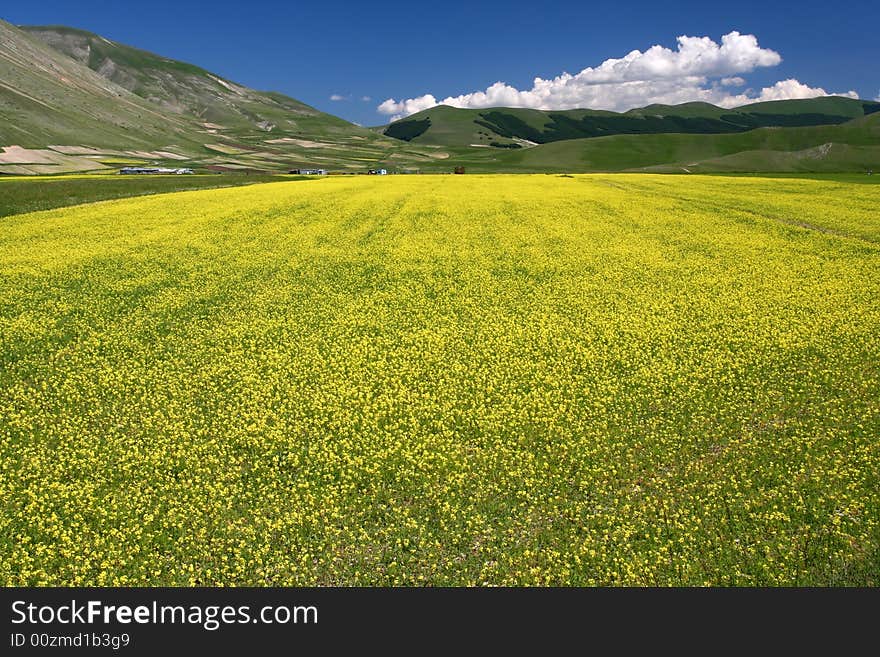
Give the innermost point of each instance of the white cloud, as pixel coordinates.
(407, 107)
(696, 71)
(338, 97)
(786, 90)
(366, 99)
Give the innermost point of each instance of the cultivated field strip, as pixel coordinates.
(445, 380)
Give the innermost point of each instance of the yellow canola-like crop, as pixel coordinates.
(445, 380)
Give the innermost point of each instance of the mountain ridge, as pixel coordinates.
(184, 88)
(72, 100)
(509, 127)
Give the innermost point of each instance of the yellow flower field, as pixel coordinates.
(445, 380)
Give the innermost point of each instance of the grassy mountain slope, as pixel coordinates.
(181, 88)
(49, 99)
(513, 127)
(685, 110)
(834, 105)
(852, 146)
(74, 101)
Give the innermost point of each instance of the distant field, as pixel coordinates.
(445, 380)
(29, 194)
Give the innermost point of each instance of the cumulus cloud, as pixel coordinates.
(782, 90)
(787, 90)
(699, 69)
(410, 106)
(338, 97)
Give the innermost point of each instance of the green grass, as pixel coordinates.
(835, 105)
(20, 195)
(855, 147)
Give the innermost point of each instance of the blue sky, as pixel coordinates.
(405, 50)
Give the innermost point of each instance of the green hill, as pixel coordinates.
(71, 100)
(49, 99)
(185, 89)
(851, 146)
(826, 105)
(512, 127)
